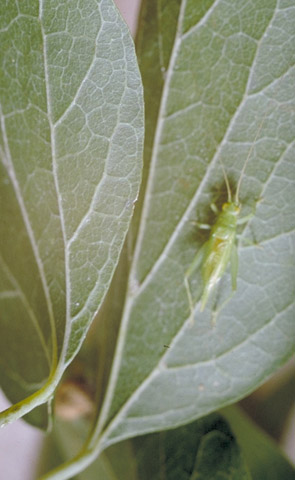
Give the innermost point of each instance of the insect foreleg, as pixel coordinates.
(247, 241)
(203, 226)
(214, 208)
(245, 219)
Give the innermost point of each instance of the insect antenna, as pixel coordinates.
(247, 159)
(229, 198)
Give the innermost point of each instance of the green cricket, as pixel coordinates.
(221, 247)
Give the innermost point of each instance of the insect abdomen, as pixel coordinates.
(218, 252)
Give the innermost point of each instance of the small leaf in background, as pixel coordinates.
(271, 405)
(262, 455)
(205, 449)
(71, 146)
(220, 457)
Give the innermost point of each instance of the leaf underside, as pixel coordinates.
(219, 87)
(71, 144)
(216, 101)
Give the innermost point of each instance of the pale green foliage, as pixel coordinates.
(71, 145)
(214, 75)
(212, 71)
(216, 93)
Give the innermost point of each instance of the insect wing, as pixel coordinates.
(217, 257)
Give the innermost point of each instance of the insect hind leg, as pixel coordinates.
(194, 265)
(190, 299)
(234, 261)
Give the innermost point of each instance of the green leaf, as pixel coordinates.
(205, 449)
(71, 141)
(217, 446)
(117, 462)
(219, 458)
(217, 93)
(227, 76)
(263, 457)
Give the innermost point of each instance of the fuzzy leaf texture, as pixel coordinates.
(219, 85)
(71, 146)
(228, 83)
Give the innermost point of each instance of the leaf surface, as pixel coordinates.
(218, 103)
(71, 142)
(226, 77)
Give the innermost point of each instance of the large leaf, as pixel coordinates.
(217, 96)
(227, 71)
(71, 141)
